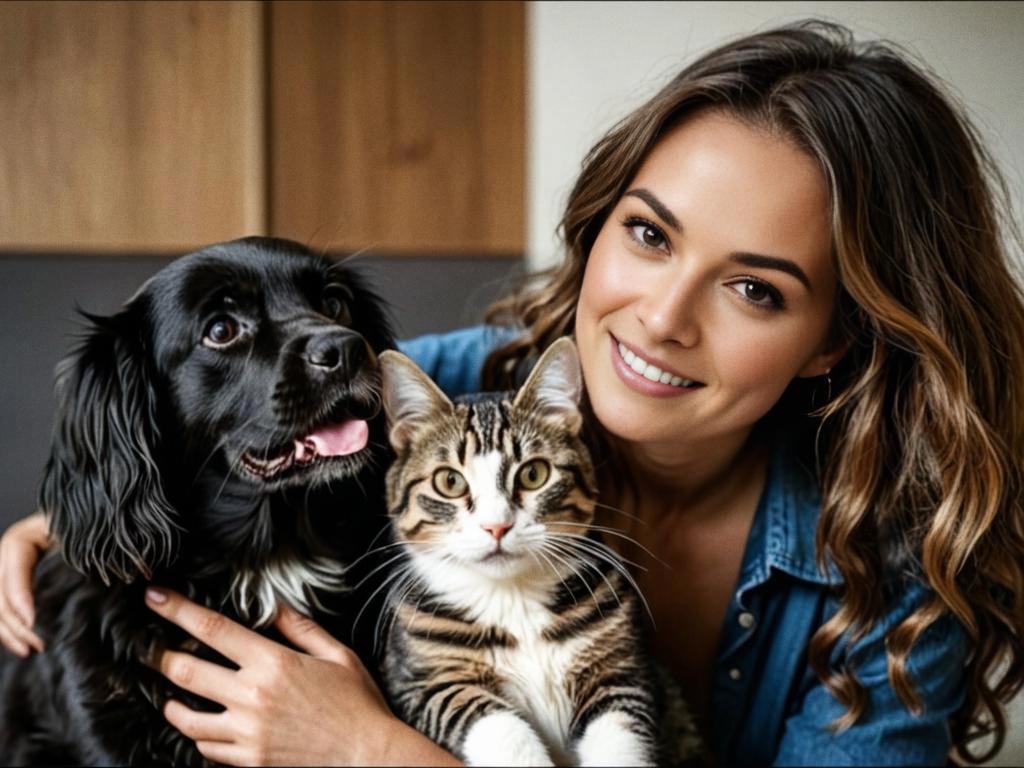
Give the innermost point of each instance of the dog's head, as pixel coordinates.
(251, 363)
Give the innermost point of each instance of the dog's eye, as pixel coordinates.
(220, 332)
(335, 304)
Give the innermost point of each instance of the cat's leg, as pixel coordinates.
(503, 738)
(469, 718)
(616, 721)
(616, 738)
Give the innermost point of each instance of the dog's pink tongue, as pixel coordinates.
(334, 440)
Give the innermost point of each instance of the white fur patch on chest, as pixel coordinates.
(536, 669)
(256, 593)
(535, 672)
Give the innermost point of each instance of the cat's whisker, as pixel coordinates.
(617, 533)
(394, 559)
(584, 541)
(568, 565)
(387, 617)
(609, 556)
(623, 512)
(568, 558)
(400, 571)
(376, 550)
(567, 549)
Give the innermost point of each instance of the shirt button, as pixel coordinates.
(746, 619)
(735, 674)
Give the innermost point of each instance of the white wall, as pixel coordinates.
(590, 63)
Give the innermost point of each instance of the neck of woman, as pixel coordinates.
(691, 480)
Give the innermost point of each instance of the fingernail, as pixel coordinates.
(155, 596)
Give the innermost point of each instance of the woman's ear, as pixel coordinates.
(102, 487)
(825, 360)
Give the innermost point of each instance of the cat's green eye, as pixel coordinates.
(533, 474)
(449, 483)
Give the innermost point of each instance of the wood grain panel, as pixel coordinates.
(131, 125)
(398, 126)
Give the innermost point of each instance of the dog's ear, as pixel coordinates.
(102, 486)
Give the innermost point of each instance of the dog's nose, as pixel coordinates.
(328, 352)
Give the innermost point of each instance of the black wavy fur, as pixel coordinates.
(145, 484)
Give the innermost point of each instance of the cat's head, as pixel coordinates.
(501, 484)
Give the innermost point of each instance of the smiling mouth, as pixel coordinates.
(650, 371)
(331, 441)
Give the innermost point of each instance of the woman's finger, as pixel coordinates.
(306, 634)
(11, 642)
(12, 622)
(215, 630)
(198, 726)
(224, 752)
(209, 680)
(24, 634)
(19, 553)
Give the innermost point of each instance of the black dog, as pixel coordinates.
(220, 436)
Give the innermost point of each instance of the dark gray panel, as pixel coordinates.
(37, 299)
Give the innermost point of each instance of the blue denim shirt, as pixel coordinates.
(768, 707)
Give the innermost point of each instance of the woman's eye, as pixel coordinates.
(220, 332)
(759, 294)
(450, 483)
(533, 474)
(646, 233)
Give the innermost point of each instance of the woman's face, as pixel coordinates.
(709, 287)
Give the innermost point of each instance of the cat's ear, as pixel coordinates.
(411, 400)
(555, 386)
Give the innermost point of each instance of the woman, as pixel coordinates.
(803, 346)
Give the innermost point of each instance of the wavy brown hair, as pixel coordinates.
(921, 448)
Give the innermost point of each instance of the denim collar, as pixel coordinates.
(782, 534)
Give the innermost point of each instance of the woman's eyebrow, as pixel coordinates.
(657, 206)
(759, 261)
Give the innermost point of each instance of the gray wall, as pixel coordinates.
(37, 299)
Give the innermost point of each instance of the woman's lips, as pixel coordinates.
(646, 377)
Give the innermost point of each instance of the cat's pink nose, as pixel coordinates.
(497, 530)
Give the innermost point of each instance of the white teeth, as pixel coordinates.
(652, 372)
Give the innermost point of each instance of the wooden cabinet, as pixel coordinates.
(397, 127)
(130, 126)
(400, 126)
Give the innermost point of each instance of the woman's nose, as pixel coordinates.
(669, 310)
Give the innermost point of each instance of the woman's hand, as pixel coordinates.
(283, 707)
(21, 546)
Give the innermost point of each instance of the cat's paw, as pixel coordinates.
(611, 739)
(504, 739)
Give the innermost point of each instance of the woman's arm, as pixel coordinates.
(317, 706)
(21, 546)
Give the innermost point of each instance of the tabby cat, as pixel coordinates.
(514, 635)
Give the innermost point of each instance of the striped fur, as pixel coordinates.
(513, 632)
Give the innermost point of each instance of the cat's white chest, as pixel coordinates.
(535, 671)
